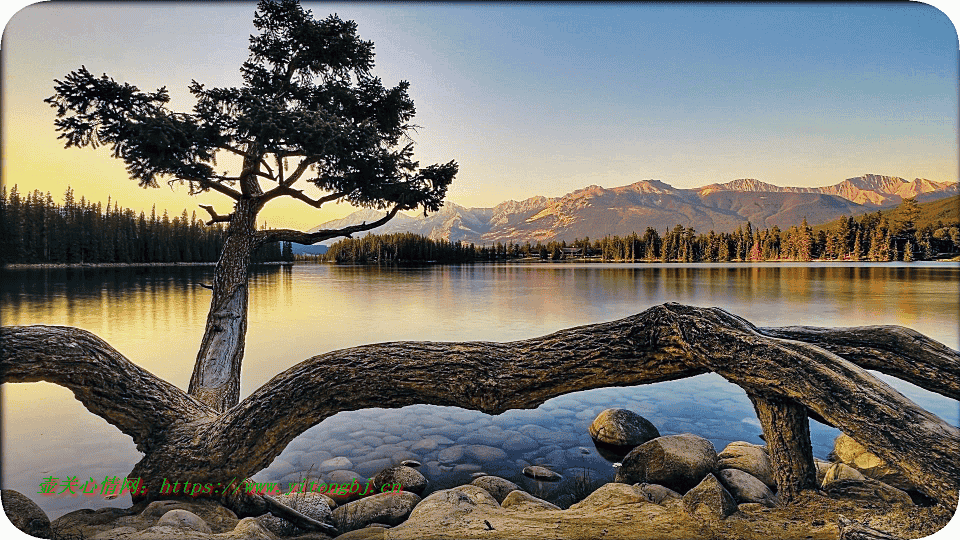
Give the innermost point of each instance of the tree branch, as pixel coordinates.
(298, 172)
(485, 376)
(300, 237)
(127, 396)
(215, 217)
(298, 194)
(229, 148)
(663, 343)
(894, 350)
(216, 186)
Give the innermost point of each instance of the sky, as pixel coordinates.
(538, 99)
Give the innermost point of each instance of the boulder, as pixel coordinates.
(852, 453)
(658, 494)
(678, 462)
(25, 514)
(822, 468)
(366, 533)
(710, 499)
(611, 494)
(336, 463)
(620, 427)
(406, 478)
(461, 509)
(385, 508)
(839, 471)
(498, 487)
(246, 529)
(518, 442)
(484, 454)
(746, 488)
(107, 521)
(424, 445)
(521, 500)
(540, 473)
(451, 454)
(867, 489)
(748, 458)
(184, 519)
(312, 505)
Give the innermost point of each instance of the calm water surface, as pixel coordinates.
(155, 317)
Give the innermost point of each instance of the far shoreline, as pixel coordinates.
(43, 266)
(33, 266)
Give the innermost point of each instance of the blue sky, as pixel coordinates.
(547, 98)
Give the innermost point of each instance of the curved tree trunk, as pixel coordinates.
(787, 431)
(186, 439)
(216, 373)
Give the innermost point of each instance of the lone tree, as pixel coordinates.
(309, 109)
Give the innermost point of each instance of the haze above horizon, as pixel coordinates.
(540, 99)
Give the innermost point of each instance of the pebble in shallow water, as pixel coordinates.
(540, 473)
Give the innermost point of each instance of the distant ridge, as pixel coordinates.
(595, 211)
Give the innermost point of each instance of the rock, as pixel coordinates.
(339, 486)
(336, 463)
(521, 500)
(839, 471)
(547, 436)
(424, 445)
(385, 508)
(366, 533)
(620, 427)
(451, 454)
(119, 532)
(25, 514)
(746, 488)
(184, 519)
(371, 468)
(342, 476)
(312, 505)
(678, 462)
(748, 458)
(518, 442)
(852, 453)
(246, 529)
(484, 454)
(488, 436)
(498, 487)
(867, 489)
(456, 509)
(540, 473)
(466, 469)
(402, 477)
(710, 498)
(91, 523)
(410, 463)
(822, 468)
(612, 494)
(658, 494)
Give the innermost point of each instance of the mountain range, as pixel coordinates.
(596, 212)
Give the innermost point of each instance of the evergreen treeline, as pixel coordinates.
(34, 229)
(399, 248)
(872, 237)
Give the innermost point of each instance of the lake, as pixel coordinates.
(155, 317)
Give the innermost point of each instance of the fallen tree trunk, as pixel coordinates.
(184, 438)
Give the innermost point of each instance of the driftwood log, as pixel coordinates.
(785, 371)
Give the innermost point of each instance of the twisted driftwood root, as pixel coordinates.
(787, 372)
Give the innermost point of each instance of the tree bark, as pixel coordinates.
(662, 343)
(787, 432)
(216, 372)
